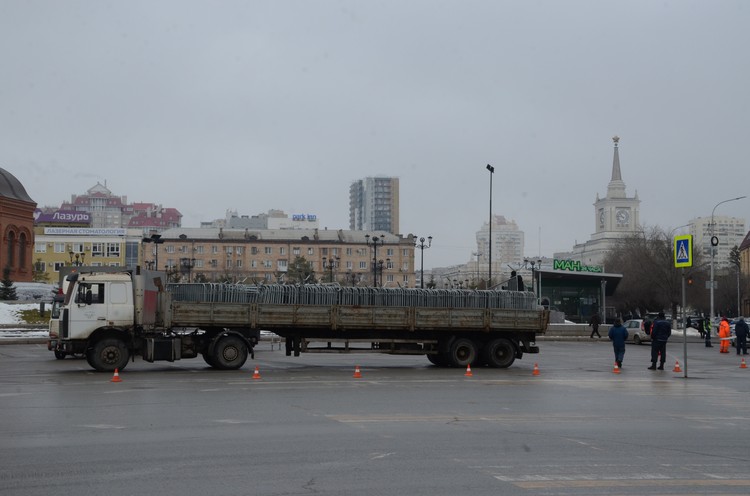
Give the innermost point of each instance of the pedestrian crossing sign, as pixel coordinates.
(683, 251)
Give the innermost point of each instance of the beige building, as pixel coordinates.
(254, 256)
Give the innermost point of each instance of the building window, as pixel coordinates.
(199, 249)
(169, 249)
(389, 252)
(349, 264)
(267, 264)
(229, 264)
(267, 250)
(238, 250)
(296, 251)
(214, 249)
(59, 247)
(238, 264)
(254, 250)
(349, 251)
(97, 249)
(40, 247)
(59, 265)
(113, 249)
(229, 250)
(362, 265)
(310, 251)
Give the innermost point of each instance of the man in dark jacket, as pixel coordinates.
(660, 332)
(618, 334)
(740, 331)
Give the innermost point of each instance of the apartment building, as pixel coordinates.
(255, 256)
(374, 204)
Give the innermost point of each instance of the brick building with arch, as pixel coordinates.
(16, 228)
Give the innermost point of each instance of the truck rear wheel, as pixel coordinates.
(499, 353)
(108, 354)
(229, 353)
(463, 352)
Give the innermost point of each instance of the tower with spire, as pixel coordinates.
(615, 216)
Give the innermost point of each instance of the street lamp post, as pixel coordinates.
(330, 266)
(156, 240)
(533, 263)
(713, 253)
(422, 247)
(79, 257)
(373, 241)
(489, 272)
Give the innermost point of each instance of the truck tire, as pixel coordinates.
(229, 353)
(60, 355)
(438, 359)
(109, 354)
(463, 352)
(207, 358)
(499, 353)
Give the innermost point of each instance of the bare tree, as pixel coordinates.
(650, 280)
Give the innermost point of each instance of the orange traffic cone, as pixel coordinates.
(616, 369)
(468, 371)
(357, 373)
(256, 374)
(743, 365)
(676, 366)
(116, 377)
(536, 369)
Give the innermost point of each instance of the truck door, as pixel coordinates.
(88, 311)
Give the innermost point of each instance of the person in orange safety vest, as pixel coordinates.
(724, 333)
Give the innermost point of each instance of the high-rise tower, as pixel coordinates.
(374, 204)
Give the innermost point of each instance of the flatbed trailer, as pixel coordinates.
(222, 322)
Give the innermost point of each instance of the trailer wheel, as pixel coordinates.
(229, 353)
(499, 353)
(108, 354)
(463, 352)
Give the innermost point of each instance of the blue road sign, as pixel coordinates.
(683, 251)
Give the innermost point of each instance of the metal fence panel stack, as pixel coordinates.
(334, 294)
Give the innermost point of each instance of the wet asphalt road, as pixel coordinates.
(405, 427)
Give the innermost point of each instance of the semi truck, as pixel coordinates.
(112, 317)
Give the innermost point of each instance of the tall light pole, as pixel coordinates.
(422, 247)
(489, 273)
(713, 252)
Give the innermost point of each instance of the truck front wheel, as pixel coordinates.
(108, 354)
(229, 353)
(499, 353)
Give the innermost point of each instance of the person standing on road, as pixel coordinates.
(594, 323)
(707, 330)
(741, 330)
(660, 332)
(618, 334)
(724, 334)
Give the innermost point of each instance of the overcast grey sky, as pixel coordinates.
(252, 105)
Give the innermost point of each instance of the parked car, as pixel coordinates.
(636, 331)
